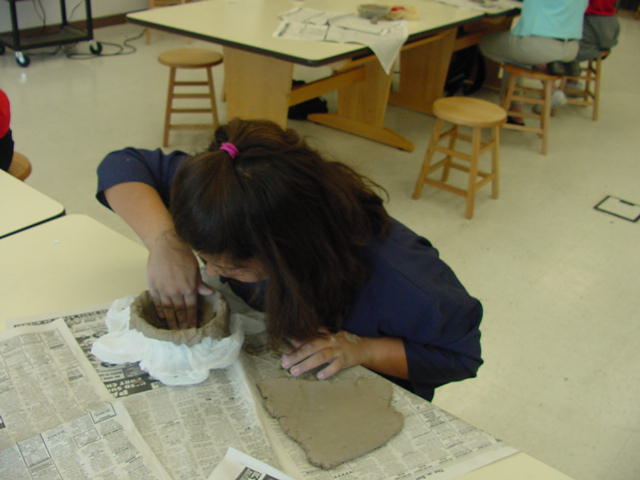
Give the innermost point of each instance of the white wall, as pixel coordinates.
(27, 16)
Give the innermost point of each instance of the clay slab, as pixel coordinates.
(333, 421)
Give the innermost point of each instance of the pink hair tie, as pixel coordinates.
(230, 148)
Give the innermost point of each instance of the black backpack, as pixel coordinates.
(301, 110)
(467, 72)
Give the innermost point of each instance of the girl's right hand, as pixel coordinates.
(174, 280)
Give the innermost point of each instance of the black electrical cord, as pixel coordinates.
(73, 10)
(125, 49)
(42, 14)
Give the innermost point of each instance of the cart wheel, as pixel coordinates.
(22, 59)
(95, 47)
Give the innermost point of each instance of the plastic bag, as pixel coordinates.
(166, 361)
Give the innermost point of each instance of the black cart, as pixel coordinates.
(63, 34)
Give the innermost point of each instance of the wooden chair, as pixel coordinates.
(589, 94)
(533, 96)
(20, 166)
(156, 4)
(189, 58)
(467, 112)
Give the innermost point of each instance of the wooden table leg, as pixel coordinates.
(256, 86)
(424, 69)
(259, 87)
(362, 107)
(492, 72)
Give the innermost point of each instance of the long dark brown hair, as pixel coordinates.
(304, 218)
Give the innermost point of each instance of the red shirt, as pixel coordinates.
(5, 114)
(601, 7)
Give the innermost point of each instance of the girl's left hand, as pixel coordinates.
(339, 350)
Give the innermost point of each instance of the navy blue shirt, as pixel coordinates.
(411, 294)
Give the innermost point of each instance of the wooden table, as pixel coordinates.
(21, 206)
(68, 263)
(259, 68)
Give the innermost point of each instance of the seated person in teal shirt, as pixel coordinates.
(547, 31)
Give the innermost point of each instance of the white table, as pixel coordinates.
(517, 467)
(21, 206)
(258, 67)
(75, 262)
(68, 263)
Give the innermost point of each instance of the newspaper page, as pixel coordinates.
(189, 428)
(87, 325)
(432, 444)
(239, 466)
(56, 418)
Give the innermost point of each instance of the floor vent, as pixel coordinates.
(619, 208)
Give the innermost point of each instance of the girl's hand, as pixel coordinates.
(339, 351)
(174, 280)
(344, 350)
(173, 276)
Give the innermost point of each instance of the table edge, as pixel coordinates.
(363, 51)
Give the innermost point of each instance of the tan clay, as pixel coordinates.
(336, 420)
(213, 321)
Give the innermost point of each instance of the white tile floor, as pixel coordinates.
(559, 280)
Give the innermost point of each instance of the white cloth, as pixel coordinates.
(384, 38)
(170, 363)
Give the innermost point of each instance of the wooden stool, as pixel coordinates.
(530, 95)
(20, 166)
(190, 58)
(467, 112)
(589, 95)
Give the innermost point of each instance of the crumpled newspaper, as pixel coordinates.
(170, 363)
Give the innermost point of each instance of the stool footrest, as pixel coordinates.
(583, 93)
(524, 114)
(192, 83)
(449, 132)
(186, 126)
(522, 88)
(484, 146)
(445, 186)
(464, 168)
(520, 98)
(191, 110)
(436, 166)
(524, 128)
(486, 177)
(452, 153)
(577, 101)
(191, 95)
(584, 76)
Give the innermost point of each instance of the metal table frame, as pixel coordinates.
(65, 34)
